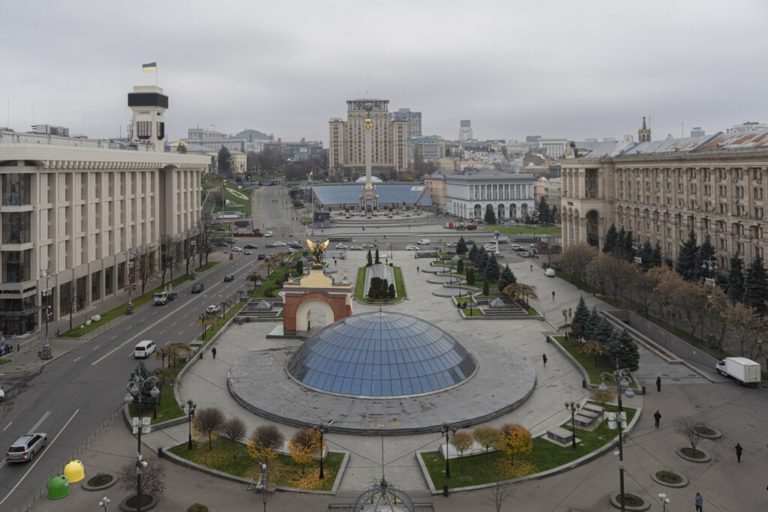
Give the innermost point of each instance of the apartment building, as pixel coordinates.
(76, 214)
(714, 185)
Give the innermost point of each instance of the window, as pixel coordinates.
(144, 129)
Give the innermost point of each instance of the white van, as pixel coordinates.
(423, 241)
(144, 349)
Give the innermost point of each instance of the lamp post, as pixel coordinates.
(664, 501)
(204, 321)
(447, 432)
(103, 502)
(322, 429)
(191, 406)
(573, 407)
(264, 484)
(129, 254)
(708, 267)
(567, 315)
(620, 377)
(47, 292)
(136, 387)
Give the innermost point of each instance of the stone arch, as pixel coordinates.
(478, 211)
(307, 307)
(500, 215)
(513, 211)
(299, 305)
(524, 210)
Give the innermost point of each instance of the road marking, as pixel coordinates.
(34, 427)
(113, 337)
(97, 347)
(38, 458)
(8, 425)
(174, 324)
(77, 359)
(181, 332)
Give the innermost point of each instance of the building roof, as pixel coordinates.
(488, 175)
(389, 193)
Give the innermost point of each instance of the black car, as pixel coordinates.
(198, 287)
(229, 277)
(250, 246)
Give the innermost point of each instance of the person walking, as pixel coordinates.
(658, 384)
(417, 269)
(553, 295)
(699, 502)
(213, 352)
(657, 419)
(739, 451)
(544, 358)
(531, 268)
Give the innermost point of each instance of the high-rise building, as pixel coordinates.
(346, 152)
(413, 119)
(465, 130)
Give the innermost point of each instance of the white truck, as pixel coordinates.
(744, 370)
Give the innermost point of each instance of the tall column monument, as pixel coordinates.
(369, 200)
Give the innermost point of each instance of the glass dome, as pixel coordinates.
(381, 355)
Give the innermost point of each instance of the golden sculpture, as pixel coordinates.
(318, 249)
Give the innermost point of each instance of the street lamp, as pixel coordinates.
(573, 407)
(567, 315)
(104, 502)
(322, 429)
(129, 254)
(664, 501)
(447, 432)
(620, 377)
(136, 387)
(191, 406)
(264, 484)
(708, 267)
(47, 292)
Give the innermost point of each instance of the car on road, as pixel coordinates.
(515, 247)
(423, 241)
(268, 234)
(144, 349)
(229, 277)
(356, 248)
(250, 246)
(295, 245)
(247, 253)
(237, 249)
(550, 272)
(280, 244)
(451, 244)
(490, 247)
(369, 245)
(25, 447)
(342, 246)
(198, 287)
(213, 309)
(411, 247)
(260, 257)
(2, 394)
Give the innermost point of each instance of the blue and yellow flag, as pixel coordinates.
(152, 66)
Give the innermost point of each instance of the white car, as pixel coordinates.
(237, 249)
(550, 272)
(279, 244)
(411, 247)
(423, 241)
(451, 244)
(2, 393)
(490, 247)
(213, 309)
(356, 248)
(369, 245)
(268, 234)
(342, 246)
(516, 247)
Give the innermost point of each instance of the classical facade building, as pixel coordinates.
(74, 212)
(715, 185)
(346, 155)
(468, 195)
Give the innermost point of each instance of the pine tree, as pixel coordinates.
(736, 279)
(370, 258)
(473, 253)
(544, 215)
(460, 266)
(299, 268)
(490, 215)
(461, 246)
(628, 253)
(604, 331)
(486, 288)
(610, 240)
(686, 259)
(470, 274)
(622, 348)
(507, 278)
(618, 250)
(377, 260)
(482, 261)
(492, 270)
(580, 318)
(756, 286)
(656, 256)
(645, 254)
(704, 257)
(592, 325)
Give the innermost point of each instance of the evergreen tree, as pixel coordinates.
(646, 254)
(299, 268)
(507, 278)
(580, 318)
(610, 240)
(628, 253)
(687, 258)
(370, 258)
(604, 331)
(482, 261)
(618, 250)
(460, 266)
(592, 325)
(492, 270)
(473, 253)
(656, 256)
(490, 215)
(704, 257)
(461, 246)
(486, 288)
(377, 260)
(544, 214)
(622, 348)
(756, 286)
(224, 161)
(470, 274)
(736, 279)
(391, 291)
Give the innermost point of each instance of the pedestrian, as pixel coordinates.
(544, 358)
(658, 384)
(699, 501)
(417, 269)
(213, 352)
(531, 268)
(657, 419)
(334, 262)
(553, 295)
(739, 451)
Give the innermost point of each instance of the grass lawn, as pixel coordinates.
(472, 311)
(241, 205)
(272, 284)
(593, 367)
(399, 283)
(485, 468)
(524, 230)
(119, 311)
(167, 409)
(283, 471)
(360, 287)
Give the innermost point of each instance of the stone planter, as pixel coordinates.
(98, 487)
(148, 504)
(637, 503)
(658, 477)
(706, 457)
(709, 432)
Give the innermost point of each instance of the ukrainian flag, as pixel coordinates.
(152, 66)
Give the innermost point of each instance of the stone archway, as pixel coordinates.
(478, 211)
(315, 295)
(313, 313)
(500, 215)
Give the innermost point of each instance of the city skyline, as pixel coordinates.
(586, 70)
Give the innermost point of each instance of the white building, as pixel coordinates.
(74, 211)
(468, 195)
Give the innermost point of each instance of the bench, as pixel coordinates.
(560, 435)
(585, 419)
(592, 407)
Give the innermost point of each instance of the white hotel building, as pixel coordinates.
(74, 210)
(467, 195)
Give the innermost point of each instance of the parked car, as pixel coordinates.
(250, 246)
(369, 245)
(198, 287)
(213, 309)
(237, 249)
(342, 246)
(229, 277)
(2, 394)
(550, 272)
(490, 247)
(268, 234)
(280, 244)
(423, 241)
(25, 447)
(411, 247)
(356, 248)
(247, 253)
(516, 247)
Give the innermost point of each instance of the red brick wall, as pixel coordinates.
(338, 304)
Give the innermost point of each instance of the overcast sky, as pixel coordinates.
(572, 68)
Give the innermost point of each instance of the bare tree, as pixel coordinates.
(264, 441)
(234, 430)
(575, 260)
(499, 494)
(152, 478)
(207, 422)
(691, 429)
(145, 268)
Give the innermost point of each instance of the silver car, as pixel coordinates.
(25, 447)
